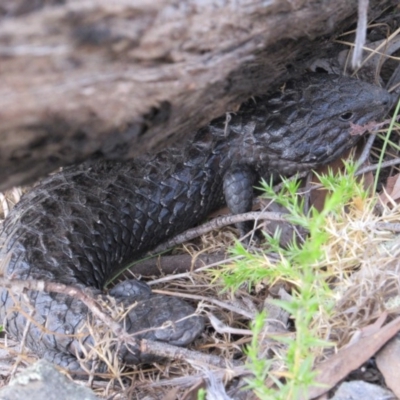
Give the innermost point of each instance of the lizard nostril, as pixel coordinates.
(390, 100)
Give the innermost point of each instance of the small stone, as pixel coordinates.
(43, 381)
(357, 390)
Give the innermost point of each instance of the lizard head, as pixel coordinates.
(312, 121)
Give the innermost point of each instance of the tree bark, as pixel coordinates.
(84, 78)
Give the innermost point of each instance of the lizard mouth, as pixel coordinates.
(327, 153)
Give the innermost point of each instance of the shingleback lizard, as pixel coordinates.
(81, 225)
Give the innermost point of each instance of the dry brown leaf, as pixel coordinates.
(388, 362)
(368, 178)
(391, 191)
(333, 370)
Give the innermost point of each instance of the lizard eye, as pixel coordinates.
(347, 116)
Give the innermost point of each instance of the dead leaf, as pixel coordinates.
(391, 191)
(388, 362)
(333, 370)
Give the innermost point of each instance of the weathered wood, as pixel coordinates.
(118, 78)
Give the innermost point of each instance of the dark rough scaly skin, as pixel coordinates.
(82, 225)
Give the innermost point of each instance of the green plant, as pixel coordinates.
(302, 266)
(201, 394)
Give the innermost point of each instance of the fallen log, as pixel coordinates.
(114, 79)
